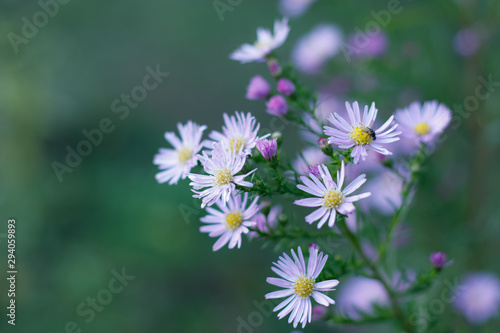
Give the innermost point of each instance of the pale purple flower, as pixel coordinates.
(478, 297)
(388, 187)
(330, 198)
(231, 220)
(310, 156)
(177, 163)
(369, 45)
(294, 8)
(221, 165)
(277, 106)
(286, 87)
(316, 48)
(423, 122)
(268, 148)
(359, 134)
(239, 132)
(265, 44)
(300, 284)
(258, 88)
(359, 294)
(467, 41)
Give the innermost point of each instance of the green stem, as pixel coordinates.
(408, 186)
(377, 274)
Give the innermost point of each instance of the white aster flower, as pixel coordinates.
(231, 221)
(177, 163)
(359, 133)
(425, 122)
(478, 297)
(360, 295)
(222, 165)
(330, 196)
(239, 132)
(265, 44)
(300, 284)
(316, 48)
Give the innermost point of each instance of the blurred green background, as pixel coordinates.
(109, 212)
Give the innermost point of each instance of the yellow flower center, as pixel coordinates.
(237, 143)
(304, 286)
(184, 155)
(223, 177)
(332, 199)
(422, 128)
(234, 220)
(362, 135)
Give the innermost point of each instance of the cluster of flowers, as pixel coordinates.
(228, 193)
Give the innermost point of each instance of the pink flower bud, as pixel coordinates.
(286, 87)
(277, 106)
(258, 88)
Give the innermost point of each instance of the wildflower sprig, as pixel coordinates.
(242, 174)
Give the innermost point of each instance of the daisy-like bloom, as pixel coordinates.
(316, 48)
(329, 195)
(359, 294)
(359, 133)
(222, 165)
(238, 133)
(423, 123)
(388, 186)
(300, 284)
(478, 297)
(265, 44)
(363, 45)
(232, 220)
(177, 163)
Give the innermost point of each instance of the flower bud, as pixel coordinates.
(286, 87)
(258, 88)
(269, 150)
(277, 106)
(274, 67)
(314, 170)
(325, 146)
(313, 246)
(438, 260)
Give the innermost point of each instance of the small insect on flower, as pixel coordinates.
(222, 166)
(360, 133)
(177, 163)
(239, 132)
(329, 195)
(231, 221)
(266, 42)
(300, 284)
